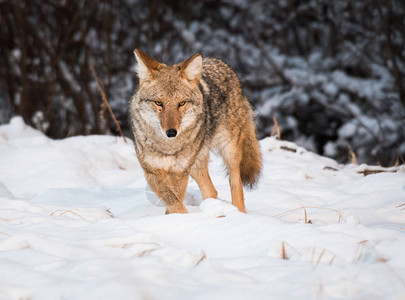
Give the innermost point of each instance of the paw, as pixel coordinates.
(178, 209)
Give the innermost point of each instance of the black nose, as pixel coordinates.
(171, 133)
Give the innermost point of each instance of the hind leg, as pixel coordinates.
(199, 172)
(232, 154)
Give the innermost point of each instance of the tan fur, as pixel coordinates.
(201, 99)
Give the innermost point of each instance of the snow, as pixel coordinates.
(77, 221)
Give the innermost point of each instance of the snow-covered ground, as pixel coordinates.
(77, 221)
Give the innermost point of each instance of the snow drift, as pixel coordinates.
(77, 221)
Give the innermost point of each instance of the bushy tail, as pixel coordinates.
(251, 163)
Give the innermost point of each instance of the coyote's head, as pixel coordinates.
(168, 97)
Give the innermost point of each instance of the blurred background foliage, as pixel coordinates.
(331, 72)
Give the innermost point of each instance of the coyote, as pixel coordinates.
(181, 112)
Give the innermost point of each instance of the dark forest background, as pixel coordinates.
(331, 72)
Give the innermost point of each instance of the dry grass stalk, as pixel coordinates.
(70, 133)
(105, 101)
(284, 252)
(204, 256)
(361, 246)
(288, 149)
(283, 255)
(143, 253)
(320, 257)
(276, 129)
(401, 158)
(109, 211)
(332, 260)
(398, 160)
(378, 169)
(65, 212)
(396, 164)
(315, 207)
(313, 254)
(352, 156)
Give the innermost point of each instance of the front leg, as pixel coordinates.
(199, 172)
(170, 187)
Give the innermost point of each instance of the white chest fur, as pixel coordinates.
(167, 163)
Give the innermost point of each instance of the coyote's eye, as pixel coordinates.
(158, 103)
(182, 103)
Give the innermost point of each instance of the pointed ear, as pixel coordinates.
(192, 68)
(146, 65)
